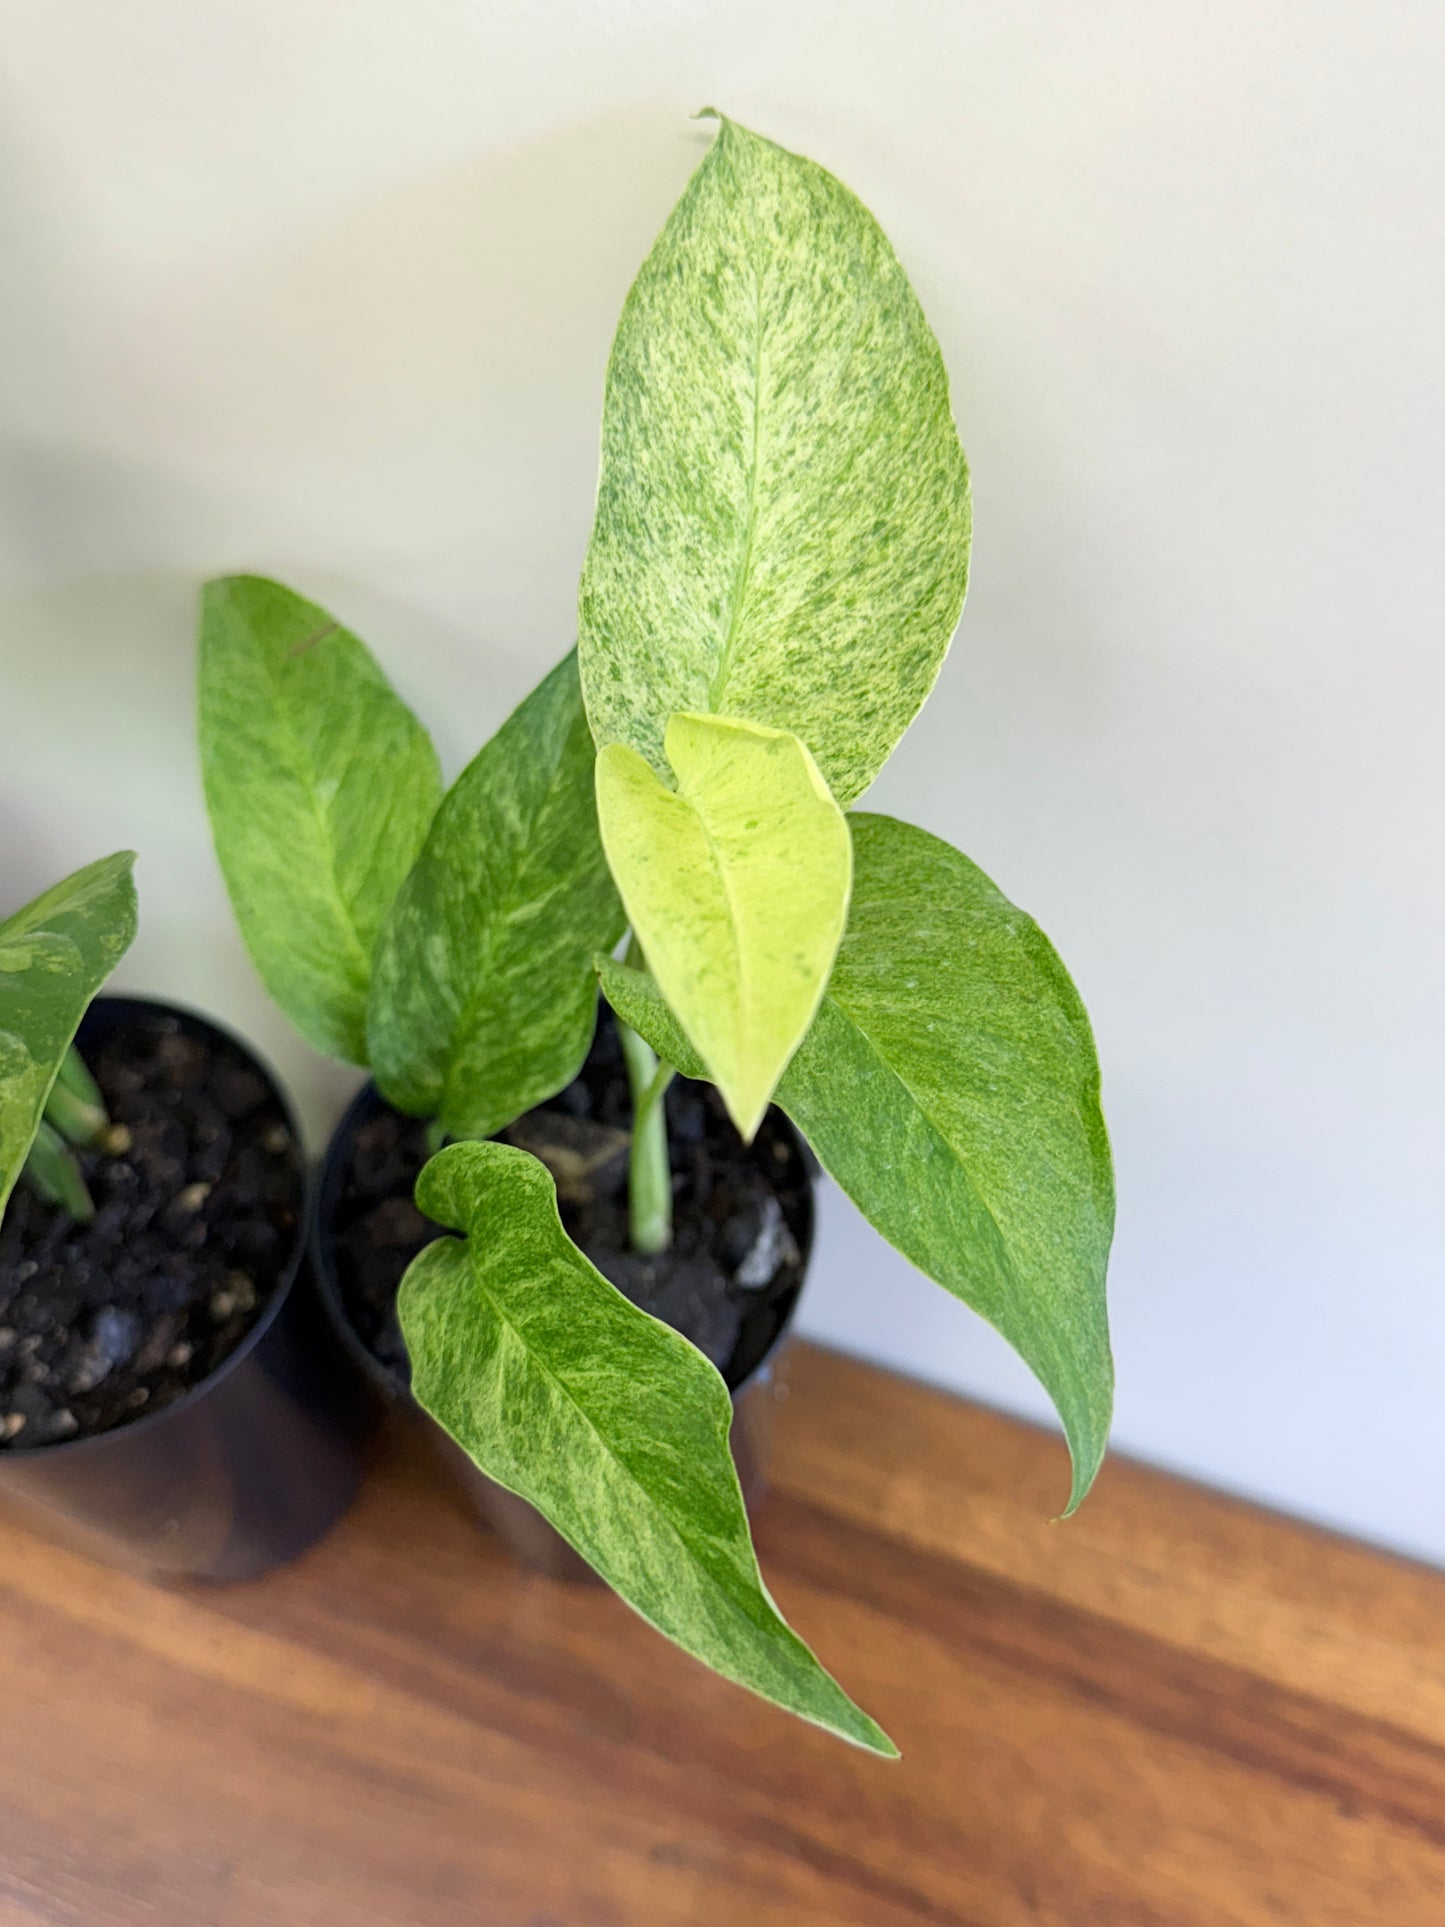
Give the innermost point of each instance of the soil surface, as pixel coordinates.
(742, 1213)
(195, 1223)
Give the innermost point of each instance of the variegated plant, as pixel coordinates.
(55, 954)
(776, 568)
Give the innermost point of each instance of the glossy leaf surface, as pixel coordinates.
(950, 1085)
(321, 786)
(736, 883)
(783, 519)
(483, 998)
(54, 956)
(608, 1422)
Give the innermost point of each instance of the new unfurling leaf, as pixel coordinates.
(736, 882)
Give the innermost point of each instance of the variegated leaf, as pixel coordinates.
(783, 519)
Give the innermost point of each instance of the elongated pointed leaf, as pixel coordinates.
(54, 956)
(949, 1084)
(783, 517)
(607, 1421)
(737, 886)
(483, 997)
(321, 786)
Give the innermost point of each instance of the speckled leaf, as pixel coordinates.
(783, 517)
(54, 956)
(736, 883)
(321, 785)
(483, 996)
(949, 1084)
(606, 1420)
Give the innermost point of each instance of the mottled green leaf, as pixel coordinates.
(483, 996)
(949, 1084)
(637, 1000)
(783, 515)
(54, 956)
(321, 785)
(608, 1422)
(737, 886)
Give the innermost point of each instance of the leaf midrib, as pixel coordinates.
(732, 637)
(730, 908)
(506, 903)
(1017, 1278)
(777, 1626)
(546, 1371)
(924, 1111)
(346, 915)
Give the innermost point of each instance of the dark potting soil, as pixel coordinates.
(195, 1222)
(742, 1213)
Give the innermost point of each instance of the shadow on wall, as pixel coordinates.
(408, 391)
(99, 696)
(396, 408)
(478, 288)
(99, 724)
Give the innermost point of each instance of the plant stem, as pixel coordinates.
(75, 1107)
(649, 1190)
(649, 1178)
(51, 1167)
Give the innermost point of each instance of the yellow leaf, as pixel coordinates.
(736, 883)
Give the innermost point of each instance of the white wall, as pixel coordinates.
(325, 287)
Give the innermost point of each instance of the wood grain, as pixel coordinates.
(1173, 1711)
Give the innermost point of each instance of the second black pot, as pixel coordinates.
(256, 1461)
(758, 1387)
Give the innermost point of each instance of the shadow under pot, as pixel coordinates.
(742, 1235)
(169, 1390)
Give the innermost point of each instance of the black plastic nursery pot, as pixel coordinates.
(742, 1213)
(208, 1429)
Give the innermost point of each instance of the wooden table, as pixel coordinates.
(1172, 1710)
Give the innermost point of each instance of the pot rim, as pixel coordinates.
(122, 1005)
(322, 1204)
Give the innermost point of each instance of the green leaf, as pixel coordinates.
(783, 517)
(321, 786)
(483, 997)
(737, 886)
(608, 1422)
(950, 1085)
(54, 956)
(638, 1002)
